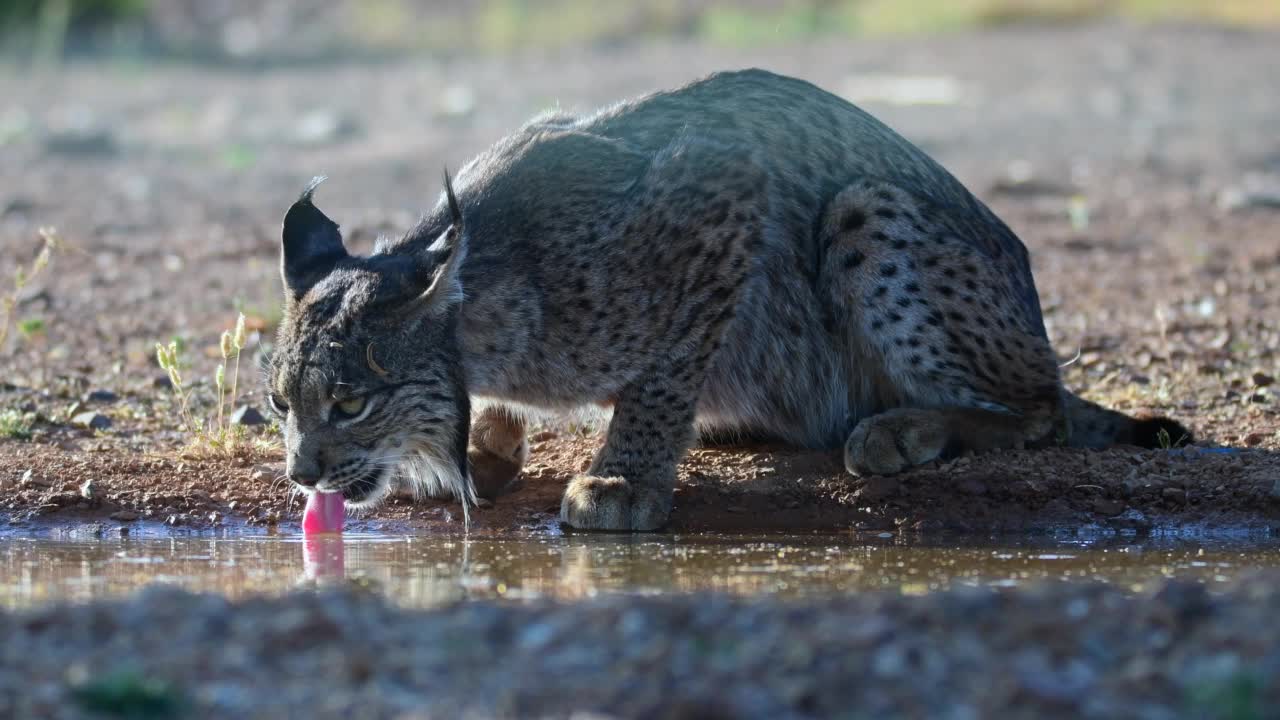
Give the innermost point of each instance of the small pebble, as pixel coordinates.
(248, 415)
(91, 420)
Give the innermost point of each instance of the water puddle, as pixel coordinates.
(425, 571)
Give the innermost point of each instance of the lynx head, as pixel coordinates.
(365, 375)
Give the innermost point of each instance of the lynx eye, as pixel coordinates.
(278, 404)
(349, 408)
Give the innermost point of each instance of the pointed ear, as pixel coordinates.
(438, 278)
(312, 245)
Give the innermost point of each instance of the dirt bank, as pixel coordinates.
(1123, 490)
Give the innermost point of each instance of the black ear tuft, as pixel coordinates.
(312, 245)
(455, 211)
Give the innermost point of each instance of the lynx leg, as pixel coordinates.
(630, 483)
(498, 451)
(704, 200)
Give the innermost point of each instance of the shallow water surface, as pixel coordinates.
(425, 571)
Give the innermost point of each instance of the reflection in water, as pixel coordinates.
(425, 571)
(324, 558)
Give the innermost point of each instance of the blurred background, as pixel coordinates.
(294, 30)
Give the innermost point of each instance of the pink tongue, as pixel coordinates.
(324, 514)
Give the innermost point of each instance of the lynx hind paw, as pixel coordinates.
(491, 474)
(498, 452)
(894, 441)
(613, 503)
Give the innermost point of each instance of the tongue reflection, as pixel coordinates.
(325, 513)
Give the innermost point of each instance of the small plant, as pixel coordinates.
(1167, 442)
(129, 695)
(15, 424)
(220, 434)
(9, 301)
(1236, 697)
(231, 345)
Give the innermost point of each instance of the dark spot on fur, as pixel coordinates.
(854, 220)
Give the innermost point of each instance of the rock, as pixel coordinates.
(81, 141)
(1256, 191)
(876, 488)
(1174, 494)
(1130, 519)
(1108, 507)
(1262, 379)
(247, 415)
(124, 515)
(1253, 439)
(1132, 483)
(266, 472)
(87, 489)
(323, 126)
(92, 420)
(101, 396)
(457, 101)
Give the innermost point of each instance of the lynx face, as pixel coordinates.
(365, 376)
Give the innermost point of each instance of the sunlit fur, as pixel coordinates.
(747, 254)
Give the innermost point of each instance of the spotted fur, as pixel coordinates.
(745, 255)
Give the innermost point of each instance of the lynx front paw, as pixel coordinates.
(893, 441)
(612, 503)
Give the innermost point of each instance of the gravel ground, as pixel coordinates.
(1060, 651)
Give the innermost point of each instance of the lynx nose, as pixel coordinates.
(304, 480)
(305, 473)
